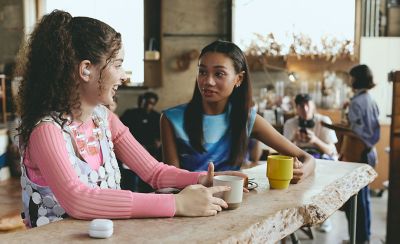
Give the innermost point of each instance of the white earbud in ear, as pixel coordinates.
(86, 72)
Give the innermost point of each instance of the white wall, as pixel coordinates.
(382, 55)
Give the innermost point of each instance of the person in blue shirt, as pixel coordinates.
(216, 124)
(363, 120)
(363, 112)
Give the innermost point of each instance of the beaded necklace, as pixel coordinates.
(88, 145)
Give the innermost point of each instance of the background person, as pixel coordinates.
(144, 124)
(363, 118)
(306, 131)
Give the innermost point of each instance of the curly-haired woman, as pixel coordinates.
(69, 140)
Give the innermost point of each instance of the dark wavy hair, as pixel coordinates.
(362, 76)
(240, 99)
(49, 65)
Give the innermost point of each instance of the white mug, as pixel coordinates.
(233, 197)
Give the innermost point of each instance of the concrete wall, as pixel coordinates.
(186, 25)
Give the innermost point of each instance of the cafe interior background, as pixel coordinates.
(291, 46)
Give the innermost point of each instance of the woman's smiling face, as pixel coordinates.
(112, 77)
(103, 82)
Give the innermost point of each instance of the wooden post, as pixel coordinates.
(393, 213)
(3, 97)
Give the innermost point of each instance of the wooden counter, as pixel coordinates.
(265, 215)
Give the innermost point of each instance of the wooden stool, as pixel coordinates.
(350, 146)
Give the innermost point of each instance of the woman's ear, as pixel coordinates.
(84, 70)
(239, 79)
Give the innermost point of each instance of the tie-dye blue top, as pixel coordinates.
(216, 137)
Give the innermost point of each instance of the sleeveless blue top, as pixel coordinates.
(217, 140)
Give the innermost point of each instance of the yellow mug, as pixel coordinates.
(279, 171)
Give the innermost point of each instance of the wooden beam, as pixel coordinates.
(393, 213)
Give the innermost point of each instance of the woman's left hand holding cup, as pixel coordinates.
(198, 200)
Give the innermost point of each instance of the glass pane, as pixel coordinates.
(313, 18)
(125, 16)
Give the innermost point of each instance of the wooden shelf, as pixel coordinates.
(126, 87)
(194, 35)
(317, 64)
(302, 63)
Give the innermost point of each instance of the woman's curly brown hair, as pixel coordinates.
(50, 65)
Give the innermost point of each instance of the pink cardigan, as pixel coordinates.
(47, 163)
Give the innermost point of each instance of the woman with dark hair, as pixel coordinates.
(363, 112)
(216, 124)
(361, 77)
(363, 118)
(70, 141)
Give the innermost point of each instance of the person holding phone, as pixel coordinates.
(307, 132)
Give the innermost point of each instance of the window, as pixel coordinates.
(313, 18)
(124, 16)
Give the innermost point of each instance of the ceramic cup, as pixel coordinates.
(279, 171)
(233, 197)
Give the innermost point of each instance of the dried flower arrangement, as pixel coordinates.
(269, 53)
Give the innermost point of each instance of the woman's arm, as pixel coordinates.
(131, 153)
(169, 150)
(264, 132)
(47, 148)
(47, 151)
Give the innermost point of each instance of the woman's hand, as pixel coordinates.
(302, 169)
(198, 200)
(207, 180)
(297, 171)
